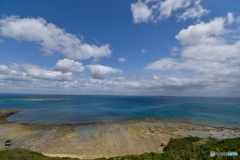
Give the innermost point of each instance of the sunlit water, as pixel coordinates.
(68, 109)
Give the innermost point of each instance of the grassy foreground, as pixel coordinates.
(189, 148)
(22, 154)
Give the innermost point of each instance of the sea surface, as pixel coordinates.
(76, 109)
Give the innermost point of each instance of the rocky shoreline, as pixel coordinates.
(96, 140)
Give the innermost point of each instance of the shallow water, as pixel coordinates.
(68, 109)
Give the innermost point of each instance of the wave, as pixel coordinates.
(43, 99)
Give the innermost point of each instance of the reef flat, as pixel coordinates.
(89, 141)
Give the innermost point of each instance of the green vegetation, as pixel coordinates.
(189, 148)
(22, 154)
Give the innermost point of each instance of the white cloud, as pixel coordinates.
(205, 41)
(141, 12)
(207, 58)
(168, 6)
(187, 65)
(211, 52)
(29, 72)
(209, 84)
(195, 12)
(230, 18)
(155, 10)
(165, 64)
(39, 73)
(101, 72)
(175, 51)
(10, 73)
(50, 37)
(67, 65)
(155, 77)
(202, 33)
(122, 60)
(209, 64)
(4, 69)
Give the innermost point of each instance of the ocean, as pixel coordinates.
(79, 109)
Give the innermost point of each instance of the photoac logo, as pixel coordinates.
(212, 154)
(231, 154)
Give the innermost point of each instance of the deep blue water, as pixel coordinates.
(68, 109)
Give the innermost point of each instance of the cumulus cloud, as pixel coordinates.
(168, 6)
(10, 73)
(141, 12)
(206, 55)
(122, 60)
(46, 74)
(195, 12)
(50, 38)
(5, 70)
(202, 32)
(67, 65)
(100, 72)
(29, 72)
(205, 41)
(155, 10)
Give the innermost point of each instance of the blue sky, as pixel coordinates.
(144, 47)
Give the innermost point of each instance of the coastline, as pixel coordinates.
(88, 141)
(5, 113)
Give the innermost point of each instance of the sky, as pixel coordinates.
(120, 47)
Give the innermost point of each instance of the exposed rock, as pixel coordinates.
(163, 145)
(8, 143)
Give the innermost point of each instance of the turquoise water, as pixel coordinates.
(68, 109)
